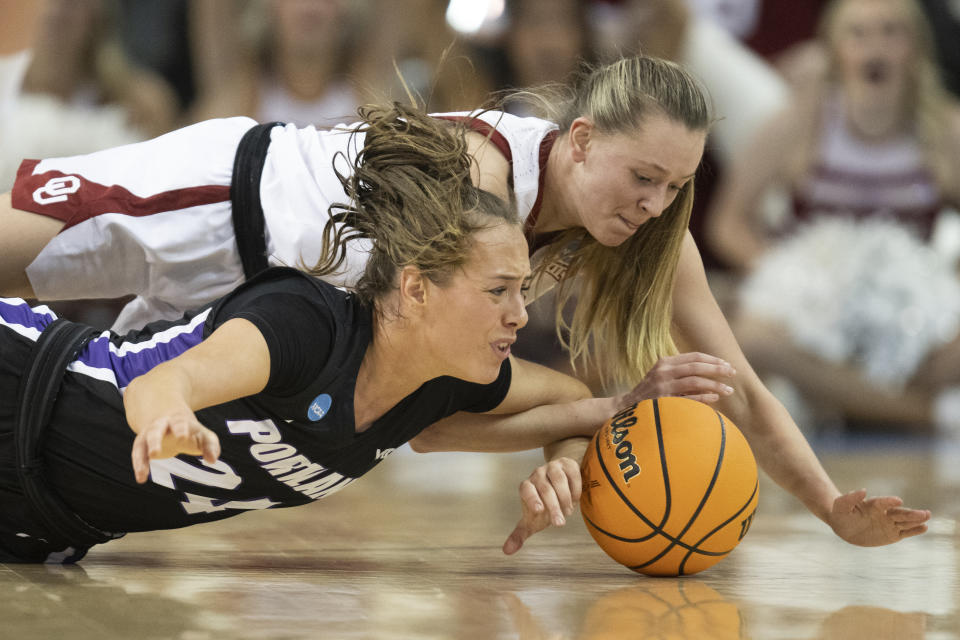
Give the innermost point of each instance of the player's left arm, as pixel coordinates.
(951, 186)
(19, 23)
(779, 446)
(545, 408)
(233, 362)
(541, 407)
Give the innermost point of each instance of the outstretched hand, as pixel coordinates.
(693, 375)
(549, 495)
(876, 521)
(169, 436)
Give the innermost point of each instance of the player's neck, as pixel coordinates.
(303, 78)
(555, 212)
(874, 117)
(392, 368)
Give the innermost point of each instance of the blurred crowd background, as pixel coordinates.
(826, 206)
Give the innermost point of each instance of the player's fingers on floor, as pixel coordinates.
(908, 516)
(914, 531)
(209, 445)
(552, 505)
(140, 459)
(706, 398)
(886, 502)
(154, 438)
(531, 497)
(561, 487)
(182, 429)
(574, 481)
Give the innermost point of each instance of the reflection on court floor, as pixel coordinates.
(413, 551)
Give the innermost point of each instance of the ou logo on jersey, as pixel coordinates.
(56, 190)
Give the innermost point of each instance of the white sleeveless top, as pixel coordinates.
(337, 104)
(526, 142)
(520, 140)
(170, 238)
(299, 182)
(852, 178)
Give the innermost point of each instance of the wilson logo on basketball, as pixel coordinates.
(56, 190)
(619, 429)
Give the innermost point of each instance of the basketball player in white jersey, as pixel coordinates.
(611, 205)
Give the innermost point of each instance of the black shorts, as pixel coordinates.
(23, 538)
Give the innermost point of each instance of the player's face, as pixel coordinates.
(545, 40)
(624, 180)
(308, 26)
(873, 42)
(474, 318)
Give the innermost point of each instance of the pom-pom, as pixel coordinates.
(865, 293)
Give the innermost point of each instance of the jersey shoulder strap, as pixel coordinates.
(246, 209)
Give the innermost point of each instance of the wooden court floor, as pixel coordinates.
(413, 551)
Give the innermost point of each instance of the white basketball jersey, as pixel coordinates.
(169, 238)
(526, 142)
(298, 186)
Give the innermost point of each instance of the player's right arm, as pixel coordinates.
(19, 22)
(733, 228)
(25, 234)
(544, 406)
(550, 409)
(233, 362)
(491, 170)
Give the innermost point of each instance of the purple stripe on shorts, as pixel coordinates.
(21, 314)
(135, 363)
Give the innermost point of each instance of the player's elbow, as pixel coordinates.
(424, 443)
(571, 390)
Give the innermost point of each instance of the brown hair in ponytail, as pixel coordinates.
(411, 196)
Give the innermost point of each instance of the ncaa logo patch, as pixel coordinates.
(319, 407)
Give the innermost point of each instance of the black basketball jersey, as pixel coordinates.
(292, 443)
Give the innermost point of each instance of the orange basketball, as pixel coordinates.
(669, 487)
